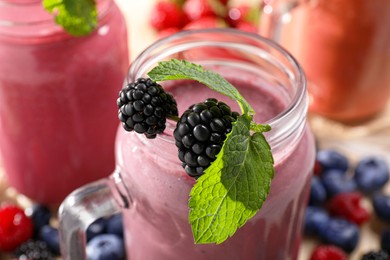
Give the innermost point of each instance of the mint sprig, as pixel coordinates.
(77, 17)
(182, 69)
(233, 188)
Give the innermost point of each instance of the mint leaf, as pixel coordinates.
(182, 69)
(233, 187)
(77, 17)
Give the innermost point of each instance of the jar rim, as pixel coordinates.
(290, 121)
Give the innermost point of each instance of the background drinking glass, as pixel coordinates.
(344, 49)
(57, 96)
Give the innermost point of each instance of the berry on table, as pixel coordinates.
(205, 22)
(381, 205)
(196, 9)
(330, 159)
(15, 227)
(371, 174)
(50, 236)
(200, 133)
(315, 221)
(336, 181)
(106, 247)
(144, 107)
(115, 225)
(34, 250)
(347, 205)
(318, 194)
(96, 228)
(376, 255)
(385, 240)
(166, 14)
(328, 252)
(40, 215)
(341, 233)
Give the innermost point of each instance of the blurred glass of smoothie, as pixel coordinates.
(344, 49)
(57, 98)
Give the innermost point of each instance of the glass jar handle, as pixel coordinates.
(83, 206)
(276, 13)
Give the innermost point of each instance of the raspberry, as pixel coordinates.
(347, 205)
(196, 9)
(205, 22)
(166, 15)
(15, 227)
(378, 255)
(200, 134)
(33, 249)
(144, 106)
(328, 252)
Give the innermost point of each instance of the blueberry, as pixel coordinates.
(371, 174)
(381, 204)
(96, 228)
(115, 225)
(385, 240)
(105, 247)
(40, 216)
(49, 235)
(317, 192)
(336, 181)
(330, 159)
(316, 220)
(341, 233)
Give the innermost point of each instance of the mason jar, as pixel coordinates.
(149, 185)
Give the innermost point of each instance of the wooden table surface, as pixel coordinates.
(368, 139)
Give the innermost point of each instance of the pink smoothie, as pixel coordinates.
(57, 98)
(344, 48)
(157, 227)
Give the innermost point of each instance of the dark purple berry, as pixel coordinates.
(376, 255)
(50, 236)
(40, 215)
(381, 204)
(106, 246)
(330, 160)
(315, 221)
(341, 233)
(371, 174)
(385, 240)
(200, 134)
(144, 107)
(96, 228)
(115, 225)
(318, 194)
(336, 181)
(33, 249)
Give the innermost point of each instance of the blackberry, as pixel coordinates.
(144, 106)
(376, 255)
(200, 133)
(33, 249)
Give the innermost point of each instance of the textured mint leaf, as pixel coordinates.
(233, 187)
(182, 69)
(77, 17)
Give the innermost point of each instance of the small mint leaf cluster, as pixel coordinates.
(77, 17)
(235, 185)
